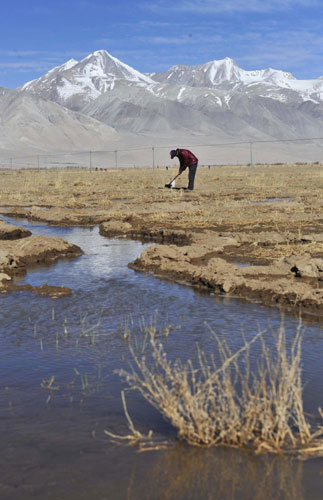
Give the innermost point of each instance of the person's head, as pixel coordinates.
(173, 153)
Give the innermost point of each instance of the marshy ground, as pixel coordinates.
(253, 232)
(247, 232)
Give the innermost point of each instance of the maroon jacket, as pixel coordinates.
(186, 159)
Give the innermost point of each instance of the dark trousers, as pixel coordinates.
(191, 176)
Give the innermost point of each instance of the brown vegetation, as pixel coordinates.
(267, 216)
(261, 215)
(227, 401)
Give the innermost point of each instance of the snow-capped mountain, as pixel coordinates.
(74, 84)
(216, 99)
(162, 109)
(225, 74)
(220, 73)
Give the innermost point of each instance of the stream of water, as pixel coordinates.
(53, 444)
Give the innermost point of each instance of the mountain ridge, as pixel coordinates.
(88, 79)
(29, 121)
(99, 71)
(217, 99)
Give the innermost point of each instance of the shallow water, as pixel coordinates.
(53, 442)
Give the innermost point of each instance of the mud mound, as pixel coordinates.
(17, 256)
(284, 282)
(134, 229)
(61, 216)
(10, 232)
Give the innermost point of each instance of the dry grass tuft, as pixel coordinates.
(226, 402)
(144, 442)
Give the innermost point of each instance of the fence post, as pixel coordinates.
(251, 157)
(90, 161)
(153, 148)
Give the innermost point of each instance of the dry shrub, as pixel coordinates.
(226, 402)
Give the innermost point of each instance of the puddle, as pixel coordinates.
(53, 443)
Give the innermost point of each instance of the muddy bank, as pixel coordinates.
(9, 232)
(135, 228)
(268, 227)
(26, 251)
(60, 216)
(294, 283)
(275, 268)
(46, 290)
(241, 264)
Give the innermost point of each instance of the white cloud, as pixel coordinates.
(229, 6)
(32, 61)
(260, 46)
(165, 40)
(23, 67)
(189, 38)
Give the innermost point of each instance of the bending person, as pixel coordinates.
(186, 159)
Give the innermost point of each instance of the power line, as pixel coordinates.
(115, 152)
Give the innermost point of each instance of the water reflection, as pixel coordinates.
(187, 473)
(48, 448)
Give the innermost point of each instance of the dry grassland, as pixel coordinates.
(223, 195)
(268, 212)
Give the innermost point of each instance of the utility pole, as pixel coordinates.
(251, 157)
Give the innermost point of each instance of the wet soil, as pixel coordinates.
(10, 232)
(52, 427)
(272, 221)
(20, 251)
(205, 258)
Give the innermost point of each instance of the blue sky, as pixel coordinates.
(153, 35)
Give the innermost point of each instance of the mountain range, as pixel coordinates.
(100, 100)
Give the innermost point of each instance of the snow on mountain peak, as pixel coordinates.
(63, 67)
(226, 70)
(101, 63)
(69, 64)
(221, 70)
(224, 73)
(226, 62)
(50, 75)
(76, 83)
(88, 78)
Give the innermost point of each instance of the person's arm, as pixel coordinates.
(182, 165)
